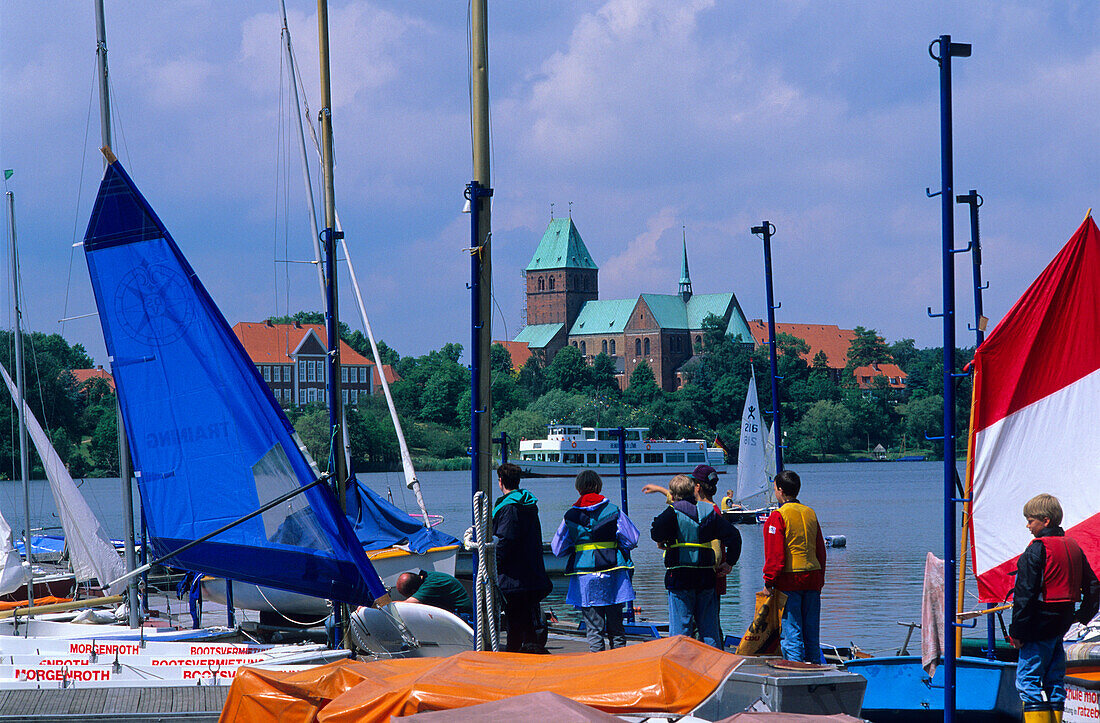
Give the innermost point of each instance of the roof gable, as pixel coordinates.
(518, 351)
(669, 311)
(828, 338)
(561, 247)
(276, 343)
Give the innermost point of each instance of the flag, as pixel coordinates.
(8, 173)
(1035, 415)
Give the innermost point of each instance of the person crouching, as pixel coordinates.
(598, 538)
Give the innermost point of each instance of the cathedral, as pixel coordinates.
(564, 307)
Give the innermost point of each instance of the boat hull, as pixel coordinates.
(748, 517)
(388, 563)
(899, 690)
(560, 469)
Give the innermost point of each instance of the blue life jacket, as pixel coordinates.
(595, 540)
(688, 550)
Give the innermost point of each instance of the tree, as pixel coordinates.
(500, 360)
(829, 424)
(103, 448)
(532, 378)
(867, 347)
(643, 385)
(924, 417)
(522, 424)
(568, 371)
(561, 406)
(604, 378)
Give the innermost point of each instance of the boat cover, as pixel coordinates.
(1035, 415)
(670, 675)
(378, 524)
(209, 442)
(530, 708)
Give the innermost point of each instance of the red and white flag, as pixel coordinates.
(1035, 415)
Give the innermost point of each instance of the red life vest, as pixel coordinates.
(1062, 571)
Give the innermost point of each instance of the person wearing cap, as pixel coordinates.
(685, 530)
(706, 486)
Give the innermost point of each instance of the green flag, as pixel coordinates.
(8, 173)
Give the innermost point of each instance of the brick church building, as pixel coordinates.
(563, 307)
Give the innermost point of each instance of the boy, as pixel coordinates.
(1052, 575)
(598, 538)
(685, 531)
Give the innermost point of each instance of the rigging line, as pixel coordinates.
(76, 210)
(278, 165)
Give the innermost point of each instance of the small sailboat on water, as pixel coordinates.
(752, 499)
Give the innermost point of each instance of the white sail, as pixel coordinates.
(769, 452)
(91, 553)
(752, 477)
(12, 572)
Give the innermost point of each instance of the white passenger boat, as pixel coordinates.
(570, 448)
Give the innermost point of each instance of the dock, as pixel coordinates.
(194, 703)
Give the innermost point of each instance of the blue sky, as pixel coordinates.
(648, 116)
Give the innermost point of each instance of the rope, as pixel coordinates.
(485, 592)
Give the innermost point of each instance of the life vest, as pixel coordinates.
(1062, 570)
(688, 550)
(595, 540)
(801, 537)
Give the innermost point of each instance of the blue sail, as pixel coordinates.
(210, 444)
(379, 524)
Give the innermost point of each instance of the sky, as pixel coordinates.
(651, 120)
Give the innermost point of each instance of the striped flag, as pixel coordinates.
(1035, 415)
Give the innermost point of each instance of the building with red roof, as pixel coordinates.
(865, 376)
(84, 375)
(291, 358)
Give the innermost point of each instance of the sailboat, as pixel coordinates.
(751, 499)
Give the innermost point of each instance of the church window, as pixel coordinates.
(612, 347)
(540, 284)
(637, 347)
(583, 350)
(698, 342)
(603, 347)
(647, 346)
(551, 283)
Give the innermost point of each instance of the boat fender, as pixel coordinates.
(647, 446)
(573, 444)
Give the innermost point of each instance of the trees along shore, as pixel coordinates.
(826, 416)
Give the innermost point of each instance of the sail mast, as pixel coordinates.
(124, 465)
(24, 464)
(479, 192)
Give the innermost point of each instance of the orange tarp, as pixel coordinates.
(43, 600)
(670, 675)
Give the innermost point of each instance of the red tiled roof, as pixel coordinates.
(890, 371)
(519, 350)
(275, 343)
(83, 375)
(387, 369)
(828, 338)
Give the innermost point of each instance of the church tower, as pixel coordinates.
(561, 276)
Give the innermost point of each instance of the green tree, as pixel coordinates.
(826, 426)
(522, 424)
(103, 447)
(643, 387)
(605, 381)
(568, 372)
(500, 359)
(867, 347)
(924, 417)
(561, 406)
(532, 378)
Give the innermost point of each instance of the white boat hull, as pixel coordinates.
(432, 632)
(388, 563)
(608, 471)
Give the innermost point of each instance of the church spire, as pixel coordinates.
(685, 279)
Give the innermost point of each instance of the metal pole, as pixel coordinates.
(125, 470)
(337, 461)
(765, 230)
(947, 50)
(622, 467)
(478, 192)
(24, 461)
(502, 440)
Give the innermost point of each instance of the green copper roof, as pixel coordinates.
(561, 247)
(538, 336)
(603, 317)
(671, 312)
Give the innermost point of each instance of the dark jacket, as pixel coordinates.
(666, 529)
(519, 544)
(1033, 619)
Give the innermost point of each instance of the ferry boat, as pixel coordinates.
(568, 448)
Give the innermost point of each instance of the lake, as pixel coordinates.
(890, 512)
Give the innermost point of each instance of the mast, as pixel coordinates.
(765, 231)
(124, 469)
(24, 463)
(478, 193)
(947, 50)
(406, 457)
(337, 460)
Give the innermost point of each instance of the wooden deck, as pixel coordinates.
(132, 704)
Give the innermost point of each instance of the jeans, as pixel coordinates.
(1042, 667)
(700, 606)
(602, 621)
(801, 634)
